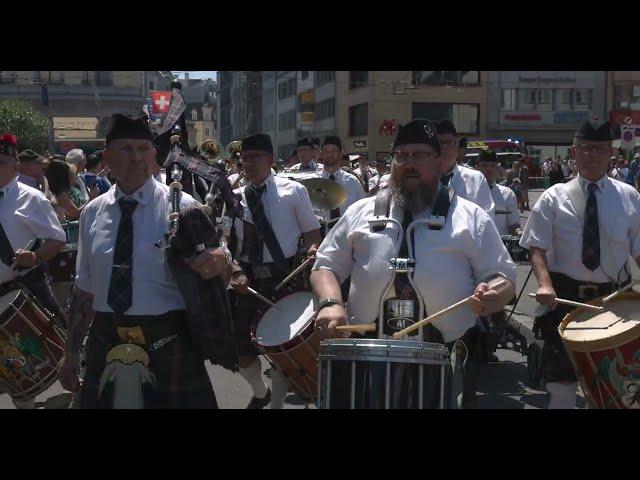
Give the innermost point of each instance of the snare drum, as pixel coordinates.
(31, 347)
(604, 348)
(380, 373)
(518, 253)
(286, 335)
(62, 267)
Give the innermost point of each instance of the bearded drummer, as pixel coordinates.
(580, 235)
(277, 211)
(456, 254)
(26, 215)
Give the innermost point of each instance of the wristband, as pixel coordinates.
(328, 302)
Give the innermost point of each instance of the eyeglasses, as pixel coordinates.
(417, 157)
(587, 148)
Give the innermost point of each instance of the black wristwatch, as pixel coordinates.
(328, 302)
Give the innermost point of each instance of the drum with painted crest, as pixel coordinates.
(31, 347)
(286, 335)
(604, 348)
(359, 373)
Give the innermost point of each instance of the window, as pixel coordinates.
(287, 88)
(465, 116)
(581, 99)
(358, 79)
(326, 109)
(544, 99)
(305, 74)
(563, 99)
(104, 78)
(287, 120)
(323, 77)
(358, 120)
(452, 77)
(508, 98)
(194, 115)
(206, 132)
(268, 122)
(526, 98)
(6, 77)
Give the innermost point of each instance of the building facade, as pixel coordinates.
(370, 105)
(543, 109)
(201, 113)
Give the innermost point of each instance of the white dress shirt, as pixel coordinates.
(505, 200)
(288, 209)
(350, 183)
(555, 226)
(26, 214)
(372, 176)
(154, 289)
(471, 185)
(450, 263)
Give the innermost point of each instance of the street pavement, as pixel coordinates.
(501, 385)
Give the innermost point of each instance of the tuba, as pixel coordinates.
(213, 150)
(233, 148)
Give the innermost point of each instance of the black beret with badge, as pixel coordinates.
(129, 127)
(595, 130)
(418, 131)
(258, 141)
(306, 142)
(332, 140)
(446, 126)
(487, 156)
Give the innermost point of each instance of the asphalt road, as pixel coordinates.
(501, 385)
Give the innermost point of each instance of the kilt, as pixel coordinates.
(182, 381)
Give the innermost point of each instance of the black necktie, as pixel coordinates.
(6, 250)
(591, 231)
(335, 212)
(121, 284)
(254, 201)
(446, 178)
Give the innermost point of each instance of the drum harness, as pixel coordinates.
(435, 221)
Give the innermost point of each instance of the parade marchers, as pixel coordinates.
(375, 252)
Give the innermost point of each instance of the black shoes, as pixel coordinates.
(259, 403)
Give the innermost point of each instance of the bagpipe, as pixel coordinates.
(191, 231)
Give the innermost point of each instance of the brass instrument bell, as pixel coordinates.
(212, 149)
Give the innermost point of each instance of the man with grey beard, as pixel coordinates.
(458, 250)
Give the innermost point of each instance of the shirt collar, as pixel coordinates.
(8, 188)
(323, 171)
(267, 181)
(143, 195)
(27, 180)
(584, 183)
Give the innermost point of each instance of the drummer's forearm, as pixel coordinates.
(80, 316)
(325, 285)
(538, 259)
(49, 249)
(312, 239)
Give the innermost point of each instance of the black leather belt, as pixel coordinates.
(567, 287)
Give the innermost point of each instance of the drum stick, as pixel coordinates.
(608, 298)
(264, 299)
(493, 284)
(503, 212)
(367, 327)
(572, 303)
(26, 247)
(293, 274)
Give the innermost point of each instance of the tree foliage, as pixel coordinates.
(25, 122)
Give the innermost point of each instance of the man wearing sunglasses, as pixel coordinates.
(264, 242)
(457, 250)
(465, 182)
(580, 235)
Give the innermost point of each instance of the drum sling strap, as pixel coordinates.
(6, 250)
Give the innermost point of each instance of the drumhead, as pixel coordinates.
(7, 299)
(282, 323)
(589, 330)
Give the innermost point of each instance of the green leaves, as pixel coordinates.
(25, 122)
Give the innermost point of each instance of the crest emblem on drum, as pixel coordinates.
(624, 378)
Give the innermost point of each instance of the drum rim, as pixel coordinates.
(602, 343)
(5, 317)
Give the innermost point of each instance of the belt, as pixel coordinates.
(571, 289)
(153, 331)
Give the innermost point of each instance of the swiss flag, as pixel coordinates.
(160, 101)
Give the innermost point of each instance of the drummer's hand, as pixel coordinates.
(24, 258)
(209, 263)
(329, 318)
(240, 282)
(311, 253)
(69, 372)
(485, 300)
(546, 296)
(519, 232)
(94, 193)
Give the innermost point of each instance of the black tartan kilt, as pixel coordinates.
(556, 365)
(182, 381)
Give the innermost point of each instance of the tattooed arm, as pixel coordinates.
(80, 317)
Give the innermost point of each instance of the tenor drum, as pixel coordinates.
(380, 373)
(604, 348)
(286, 335)
(31, 347)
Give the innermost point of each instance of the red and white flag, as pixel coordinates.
(160, 102)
